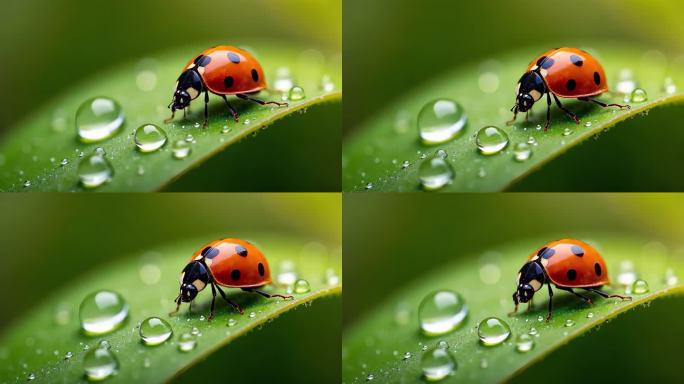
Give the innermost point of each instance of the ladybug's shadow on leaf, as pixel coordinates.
(538, 114)
(218, 110)
(562, 300)
(246, 300)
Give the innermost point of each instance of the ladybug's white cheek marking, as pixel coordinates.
(182, 275)
(533, 68)
(536, 284)
(545, 262)
(199, 257)
(544, 72)
(200, 70)
(517, 89)
(192, 65)
(192, 92)
(534, 258)
(208, 262)
(199, 284)
(536, 95)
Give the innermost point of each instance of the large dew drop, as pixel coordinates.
(102, 312)
(154, 331)
(441, 312)
(301, 286)
(296, 93)
(493, 331)
(98, 119)
(100, 363)
(440, 121)
(435, 172)
(149, 138)
(491, 140)
(94, 170)
(437, 363)
(640, 287)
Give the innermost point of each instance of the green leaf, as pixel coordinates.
(34, 149)
(375, 154)
(376, 345)
(33, 339)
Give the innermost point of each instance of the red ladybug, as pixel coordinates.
(565, 72)
(222, 70)
(567, 263)
(232, 263)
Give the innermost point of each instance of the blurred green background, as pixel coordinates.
(410, 235)
(50, 46)
(392, 47)
(50, 240)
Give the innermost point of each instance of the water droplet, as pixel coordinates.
(149, 137)
(441, 312)
(671, 278)
(437, 363)
(331, 277)
(590, 315)
(669, 86)
(639, 95)
(441, 153)
(287, 273)
(181, 149)
(587, 124)
(187, 342)
(301, 286)
(435, 172)
(440, 121)
(405, 164)
(531, 141)
(491, 140)
(196, 125)
(98, 119)
(369, 186)
(490, 273)
(226, 129)
(64, 162)
(569, 323)
(627, 274)
(370, 377)
(27, 183)
(533, 331)
(154, 331)
(195, 331)
(282, 80)
(524, 343)
(31, 377)
(626, 83)
(443, 344)
(327, 84)
(252, 315)
(94, 170)
(102, 312)
(493, 331)
(202, 318)
(640, 287)
(100, 363)
(407, 355)
(68, 355)
(522, 151)
(296, 93)
(567, 132)
(232, 322)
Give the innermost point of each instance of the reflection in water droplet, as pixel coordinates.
(187, 342)
(181, 149)
(491, 140)
(327, 84)
(639, 96)
(569, 323)
(296, 93)
(301, 286)
(440, 121)
(524, 343)
(522, 151)
(98, 119)
(640, 287)
(149, 138)
(435, 172)
(154, 331)
(567, 132)
(590, 315)
(232, 322)
(493, 331)
(441, 312)
(102, 312)
(437, 363)
(533, 331)
(94, 170)
(100, 363)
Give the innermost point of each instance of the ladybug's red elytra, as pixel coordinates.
(561, 72)
(222, 70)
(568, 264)
(232, 263)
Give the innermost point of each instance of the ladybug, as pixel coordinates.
(561, 72)
(568, 264)
(232, 263)
(222, 70)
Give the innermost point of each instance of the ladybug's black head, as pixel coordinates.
(188, 293)
(181, 100)
(188, 88)
(194, 278)
(531, 87)
(530, 280)
(524, 102)
(524, 293)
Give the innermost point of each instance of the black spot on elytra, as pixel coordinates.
(546, 252)
(547, 63)
(202, 60)
(597, 78)
(210, 252)
(255, 75)
(240, 250)
(262, 271)
(571, 85)
(235, 274)
(572, 274)
(228, 81)
(597, 269)
(577, 250)
(232, 56)
(576, 60)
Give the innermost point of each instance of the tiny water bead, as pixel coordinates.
(590, 315)
(491, 140)
(639, 287)
(287, 273)
(524, 343)
(627, 274)
(232, 322)
(94, 170)
(181, 149)
(370, 377)
(437, 363)
(493, 331)
(533, 331)
(301, 286)
(149, 137)
(522, 152)
(282, 80)
(567, 131)
(154, 331)
(440, 121)
(638, 95)
(569, 323)
(435, 172)
(407, 355)
(441, 312)
(100, 363)
(187, 342)
(626, 83)
(671, 278)
(68, 355)
(98, 119)
(669, 86)
(443, 344)
(31, 377)
(405, 164)
(102, 312)
(252, 315)
(296, 93)
(587, 124)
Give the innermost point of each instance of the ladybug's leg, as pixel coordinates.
(515, 114)
(515, 301)
(229, 301)
(213, 301)
(570, 114)
(178, 303)
(173, 113)
(604, 105)
(606, 295)
(260, 102)
(548, 315)
(266, 294)
(530, 306)
(232, 110)
(548, 111)
(586, 299)
(206, 108)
